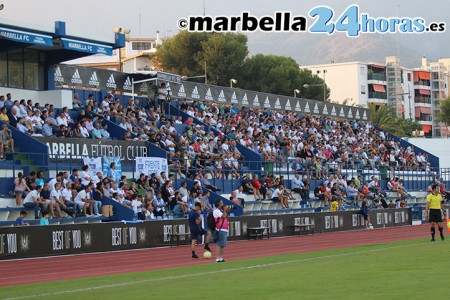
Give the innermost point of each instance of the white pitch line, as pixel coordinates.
(204, 273)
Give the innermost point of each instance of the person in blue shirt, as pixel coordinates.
(96, 132)
(20, 221)
(44, 219)
(195, 226)
(365, 212)
(113, 175)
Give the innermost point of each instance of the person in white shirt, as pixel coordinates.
(61, 119)
(136, 205)
(83, 130)
(55, 180)
(56, 198)
(85, 176)
(278, 195)
(83, 199)
(34, 201)
(67, 197)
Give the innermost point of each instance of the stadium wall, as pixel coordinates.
(59, 98)
(39, 241)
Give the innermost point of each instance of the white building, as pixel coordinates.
(135, 57)
(412, 93)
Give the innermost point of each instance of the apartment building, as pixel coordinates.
(412, 93)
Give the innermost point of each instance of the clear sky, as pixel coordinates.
(97, 19)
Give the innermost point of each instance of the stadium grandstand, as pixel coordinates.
(103, 147)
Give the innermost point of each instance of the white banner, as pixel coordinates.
(149, 165)
(95, 165)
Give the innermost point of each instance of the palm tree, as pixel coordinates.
(385, 118)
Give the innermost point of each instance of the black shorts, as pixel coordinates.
(435, 215)
(196, 233)
(321, 197)
(365, 215)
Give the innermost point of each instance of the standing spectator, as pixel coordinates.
(162, 94)
(112, 174)
(20, 188)
(34, 201)
(84, 176)
(221, 218)
(434, 211)
(365, 212)
(196, 229)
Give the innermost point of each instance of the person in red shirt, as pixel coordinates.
(256, 187)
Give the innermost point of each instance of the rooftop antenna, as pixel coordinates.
(204, 8)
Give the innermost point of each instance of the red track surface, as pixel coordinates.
(17, 272)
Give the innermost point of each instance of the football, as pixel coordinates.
(207, 254)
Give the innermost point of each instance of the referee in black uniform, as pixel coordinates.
(434, 211)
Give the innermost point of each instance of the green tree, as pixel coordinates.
(279, 75)
(386, 118)
(408, 126)
(444, 112)
(180, 54)
(224, 54)
(186, 53)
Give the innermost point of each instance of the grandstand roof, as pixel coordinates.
(58, 45)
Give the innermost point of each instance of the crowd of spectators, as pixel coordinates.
(314, 146)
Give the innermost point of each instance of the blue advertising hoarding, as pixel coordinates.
(87, 47)
(26, 37)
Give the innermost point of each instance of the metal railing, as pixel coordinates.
(219, 174)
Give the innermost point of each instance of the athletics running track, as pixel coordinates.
(15, 272)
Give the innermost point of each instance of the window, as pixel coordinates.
(15, 68)
(362, 71)
(23, 68)
(141, 46)
(409, 76)
(363, 89)
(3, 69)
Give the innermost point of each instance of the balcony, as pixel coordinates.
(422, 100)
(423, 84)
(377, 95)
(376, 76)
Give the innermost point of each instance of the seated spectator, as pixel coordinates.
(206, 183)
(374, 186)
(20, 221)
(321, 194)
(4, 115)
(278, 195)
(76, 103)
(298, 186)
(247, 185)
(179, 205)
(352, 193)
(34, 201)
(6, 141)
(96, 132)
(47, 129)
(104, 132)
(20, 188)
(67, 195)
(256, 185)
